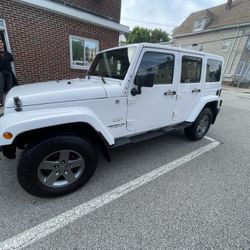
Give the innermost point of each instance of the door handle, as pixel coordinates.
(196, 90)
(170, 93)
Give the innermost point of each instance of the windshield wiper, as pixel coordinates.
(103, 79)
(100, 75)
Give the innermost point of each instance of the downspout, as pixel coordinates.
(231, 50)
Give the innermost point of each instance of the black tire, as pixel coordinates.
(194, 132)
(28, 171)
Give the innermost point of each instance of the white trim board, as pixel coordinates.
(76, 14)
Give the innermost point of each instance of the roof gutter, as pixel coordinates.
(211, 30)
(76, 14)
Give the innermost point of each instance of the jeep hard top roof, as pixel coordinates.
(166, 47)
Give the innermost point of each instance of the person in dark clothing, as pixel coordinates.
(7, 77)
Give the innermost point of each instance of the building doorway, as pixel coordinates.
(4, 37)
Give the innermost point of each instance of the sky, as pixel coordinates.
(163, 14)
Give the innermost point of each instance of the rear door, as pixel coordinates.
(190, 85)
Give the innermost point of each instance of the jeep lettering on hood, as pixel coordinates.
(56, 92)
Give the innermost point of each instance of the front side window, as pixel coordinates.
(213, 70)
(159, 64)
(113, 63)
(191, 69)
(83, 52)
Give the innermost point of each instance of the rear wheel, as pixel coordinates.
(56, 166)
(201, 125)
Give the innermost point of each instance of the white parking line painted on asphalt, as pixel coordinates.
(50, 226)
(209, 138)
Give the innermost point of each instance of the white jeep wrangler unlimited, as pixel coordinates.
(130, 94)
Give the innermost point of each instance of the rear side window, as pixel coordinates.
(160, 64)
(213, 70)
(191, 69)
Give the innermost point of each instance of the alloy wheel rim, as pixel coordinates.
(61, 168)
(202, 126)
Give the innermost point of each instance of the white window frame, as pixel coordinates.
(202, 24)
(248, 75)
(226, 45)
(248, 44)
(201, 46)
(241, 66)
(247, 69)
(71, 37)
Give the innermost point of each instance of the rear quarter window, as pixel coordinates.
(214, 69)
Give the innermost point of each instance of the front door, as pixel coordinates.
(153, 108)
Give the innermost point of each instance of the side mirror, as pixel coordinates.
(146, 80)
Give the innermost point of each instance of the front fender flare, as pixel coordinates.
(20, 122)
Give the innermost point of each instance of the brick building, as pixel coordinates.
(54, 39)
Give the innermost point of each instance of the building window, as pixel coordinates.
(226, 45)
(4, 35)
(160, 64)
(191, 69)
(213, 70)
(248, 45)
(245, 70)
(201, 47)
(199, 24)
(2, 26)
(82, 52)
(240, 68)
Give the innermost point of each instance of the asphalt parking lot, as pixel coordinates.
(202, 203)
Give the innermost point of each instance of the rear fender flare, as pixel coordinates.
(200, 105)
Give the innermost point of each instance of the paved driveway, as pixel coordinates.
(201, 201)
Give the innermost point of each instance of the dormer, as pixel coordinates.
(201, 23)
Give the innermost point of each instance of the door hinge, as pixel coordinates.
(131, 101)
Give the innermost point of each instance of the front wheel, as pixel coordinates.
(201, 125)
(56, 166)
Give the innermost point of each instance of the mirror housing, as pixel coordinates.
(146, 80)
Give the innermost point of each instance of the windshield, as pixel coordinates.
(113, 63)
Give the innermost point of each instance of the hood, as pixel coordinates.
(56, 92)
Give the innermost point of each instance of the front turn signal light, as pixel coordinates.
(7, 135)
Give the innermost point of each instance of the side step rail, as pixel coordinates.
(149, 135)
